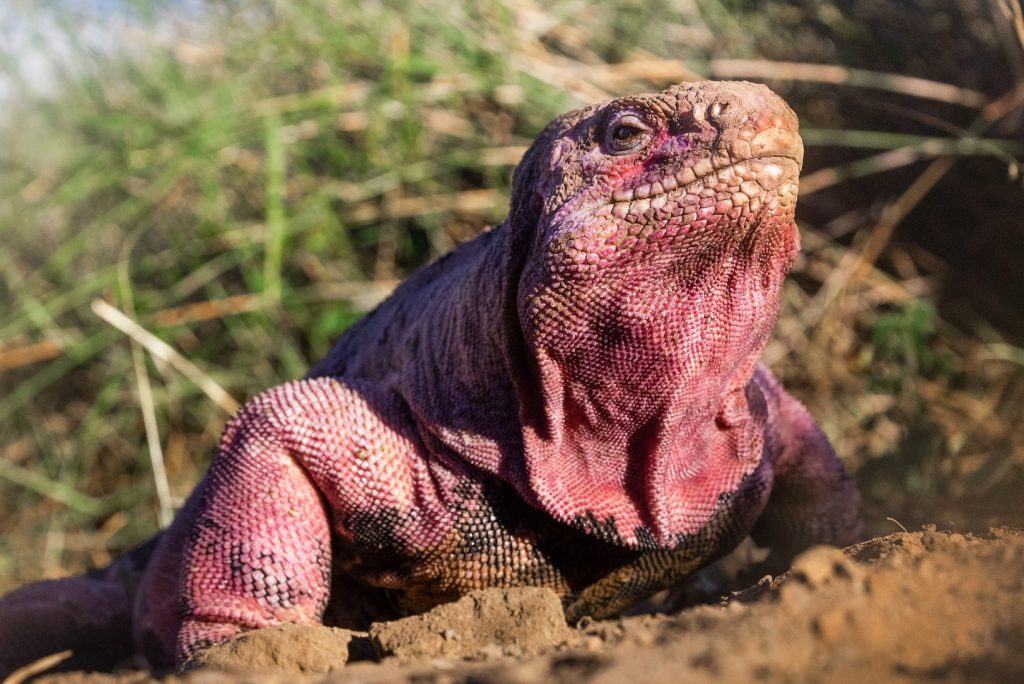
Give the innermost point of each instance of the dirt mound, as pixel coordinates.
(908, 607)
(285, 648)
(483, 624)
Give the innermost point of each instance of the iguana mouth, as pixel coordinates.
(698, 173)
(742, 181)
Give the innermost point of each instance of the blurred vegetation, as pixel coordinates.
(241, 189)
(905, 338)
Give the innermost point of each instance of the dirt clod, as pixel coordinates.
(482, 624)
(820, 565)
(286, 648)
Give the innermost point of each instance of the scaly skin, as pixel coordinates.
(571, 400)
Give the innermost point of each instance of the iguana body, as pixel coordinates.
(570, 400)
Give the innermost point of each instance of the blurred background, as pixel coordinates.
(198, 197)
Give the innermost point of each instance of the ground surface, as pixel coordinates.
(907, 607)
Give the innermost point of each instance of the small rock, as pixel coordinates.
(490, 651)
(645, 637)
(821, 564)
(831, 624)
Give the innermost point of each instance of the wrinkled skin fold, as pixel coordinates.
(573, 399)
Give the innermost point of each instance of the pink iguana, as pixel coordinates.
(572, 399)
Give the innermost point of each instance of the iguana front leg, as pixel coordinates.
(297, 464)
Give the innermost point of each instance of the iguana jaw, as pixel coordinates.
(748, 181)
(706, 171)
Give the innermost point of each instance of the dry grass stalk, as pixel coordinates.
(164, 352)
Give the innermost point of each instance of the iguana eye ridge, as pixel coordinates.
(626, 133)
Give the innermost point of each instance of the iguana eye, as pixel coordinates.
(625, 133)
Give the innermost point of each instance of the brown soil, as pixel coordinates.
(909, 607)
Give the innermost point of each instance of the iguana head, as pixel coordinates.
(654, 233)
